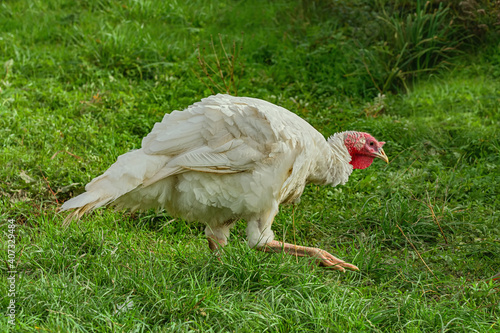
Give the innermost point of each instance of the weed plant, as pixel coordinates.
(413, 43)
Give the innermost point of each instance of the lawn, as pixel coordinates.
(82, 82)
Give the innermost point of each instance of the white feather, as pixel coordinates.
(222, 159)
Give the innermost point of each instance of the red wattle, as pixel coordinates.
(361, 161)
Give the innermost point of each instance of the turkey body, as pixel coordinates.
(222, 159)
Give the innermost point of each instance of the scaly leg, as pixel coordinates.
(217, 238)
(215, 244)
(324, 258)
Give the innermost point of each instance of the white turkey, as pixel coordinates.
(228, 158)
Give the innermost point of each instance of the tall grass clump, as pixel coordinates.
(415, 43)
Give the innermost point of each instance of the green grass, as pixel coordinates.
(89, 80)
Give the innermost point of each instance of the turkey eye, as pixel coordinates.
(371, 143)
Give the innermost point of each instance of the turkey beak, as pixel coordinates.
(381, 154)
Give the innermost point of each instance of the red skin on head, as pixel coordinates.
(361, 147)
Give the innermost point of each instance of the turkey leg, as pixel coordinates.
(324, 258)
(215, 246)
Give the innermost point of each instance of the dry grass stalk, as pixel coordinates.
(413, 246)
(221, 74)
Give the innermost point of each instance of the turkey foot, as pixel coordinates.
(216, 246)
(324, 258)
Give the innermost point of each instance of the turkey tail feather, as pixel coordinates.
(130, 171)
(77, 214)
(85, 202)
